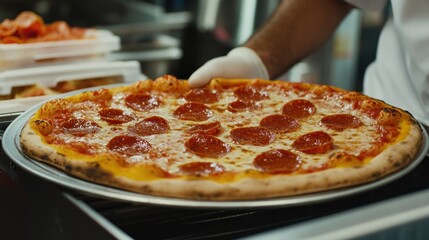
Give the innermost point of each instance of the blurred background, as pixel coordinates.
(177, 36)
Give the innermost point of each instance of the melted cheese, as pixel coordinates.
(168, 151)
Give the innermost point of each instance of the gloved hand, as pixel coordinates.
(240, 62)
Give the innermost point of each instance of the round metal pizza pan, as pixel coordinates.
(10, 142)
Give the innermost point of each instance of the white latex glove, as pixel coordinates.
(240, 62)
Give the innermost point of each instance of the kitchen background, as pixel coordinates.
(178, 36)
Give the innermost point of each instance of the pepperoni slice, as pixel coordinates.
(389, 116)
(314, 143)
(79, 127)
(202, 168)
(193, 111)
(258, 136)
(207, 146)
(279, 123)
(251, 93)
(142, 102)
(7, 28)
(213, 128)
(45, 127)
(150, 126)
(114, 116)
(128, 145)
(29, 24)
(202, 95)
(277, 161)
(299, 108)
(341, 121)
(241, 106)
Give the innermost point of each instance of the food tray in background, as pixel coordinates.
(96, 46)
(20, 89)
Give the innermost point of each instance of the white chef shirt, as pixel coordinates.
(400, 73)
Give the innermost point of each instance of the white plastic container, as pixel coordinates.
(50, 76)
(96, 47)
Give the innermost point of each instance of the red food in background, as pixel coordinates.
(28, 27)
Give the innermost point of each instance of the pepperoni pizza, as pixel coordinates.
(234, 139)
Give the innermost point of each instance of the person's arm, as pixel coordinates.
(297, 28)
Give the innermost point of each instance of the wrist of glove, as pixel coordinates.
(240, 62)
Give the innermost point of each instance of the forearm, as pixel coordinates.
(296, 29)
